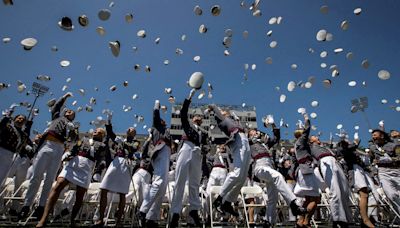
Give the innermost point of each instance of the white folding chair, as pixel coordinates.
(214, 190)
(255, 192)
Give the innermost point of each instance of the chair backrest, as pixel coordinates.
(215, 189)
(93, 187)
(254, 190)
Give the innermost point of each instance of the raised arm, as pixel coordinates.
(156, 116)
(56, 110)
(276, 138)
(307, 128)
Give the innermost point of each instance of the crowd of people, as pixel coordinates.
(60, 156)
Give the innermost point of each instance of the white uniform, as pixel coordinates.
(188, 168)
(48, 161)
(141, 184)
(118, 176)
(336, 180)
(276, 183)
(78, 171)
(153, 199)
(18, 171)
(241, 155)
(6, 161)
(217, 178)
(390, 181)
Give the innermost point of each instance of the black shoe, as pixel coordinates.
(217, 203)
(195, 216)
(174, 221)
(296, 210)
(151, 224)
(64, 212)
(24, 213)
(142, 219)
(227, 207)
(38, 212)
(12, 212)
(266, 224)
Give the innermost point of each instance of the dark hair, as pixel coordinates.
(19, 116)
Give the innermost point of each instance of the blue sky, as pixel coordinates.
(371, 35)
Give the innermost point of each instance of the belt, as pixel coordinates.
(394, 164)
(53, 136)
(324, 155)
(235, 130)
(219, 166)
(86, 155)
(290, 181)
(53, 139)
(262, 155)
(159, 142)
(185, 138)
(304, 160)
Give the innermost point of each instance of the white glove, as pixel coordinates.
(13, 106)
(356, 137)
(69, 94)
(119, 139)
(270, 119)
(96, 177)
(70, 126)
(381, 123)
(157, 104)
(302, 111)
(191, 94)
(109, 116)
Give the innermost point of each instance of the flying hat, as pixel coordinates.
(197, 10)
(215, 10)
(202, 29)
(28, 43)
(83, 20)
(384, 74)
(129, 17)
(141, 33)
(6, 39)
(196, 80)
(66, 24)
(100, 30)
(104, 14)
(8, 2)
(115, 47)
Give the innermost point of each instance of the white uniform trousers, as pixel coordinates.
(48, 161)
(152, 202)
(6, 161)
(241, 155)
(141, 184)
(18, 171)
(275, 184)
(390, 181)
(339, 198)
(217, 178)
(188, 168)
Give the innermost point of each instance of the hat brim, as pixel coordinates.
(64, 27)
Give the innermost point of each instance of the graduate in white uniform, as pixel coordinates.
(119, 173)
(188, 165)
(158, 150)
(79, 170)
(336, 181)
(141, 183)
(239, 148)
(264, 170)
(358, 177)
(50, 152)
(307, 184)
(13, 139)
(386, 155)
